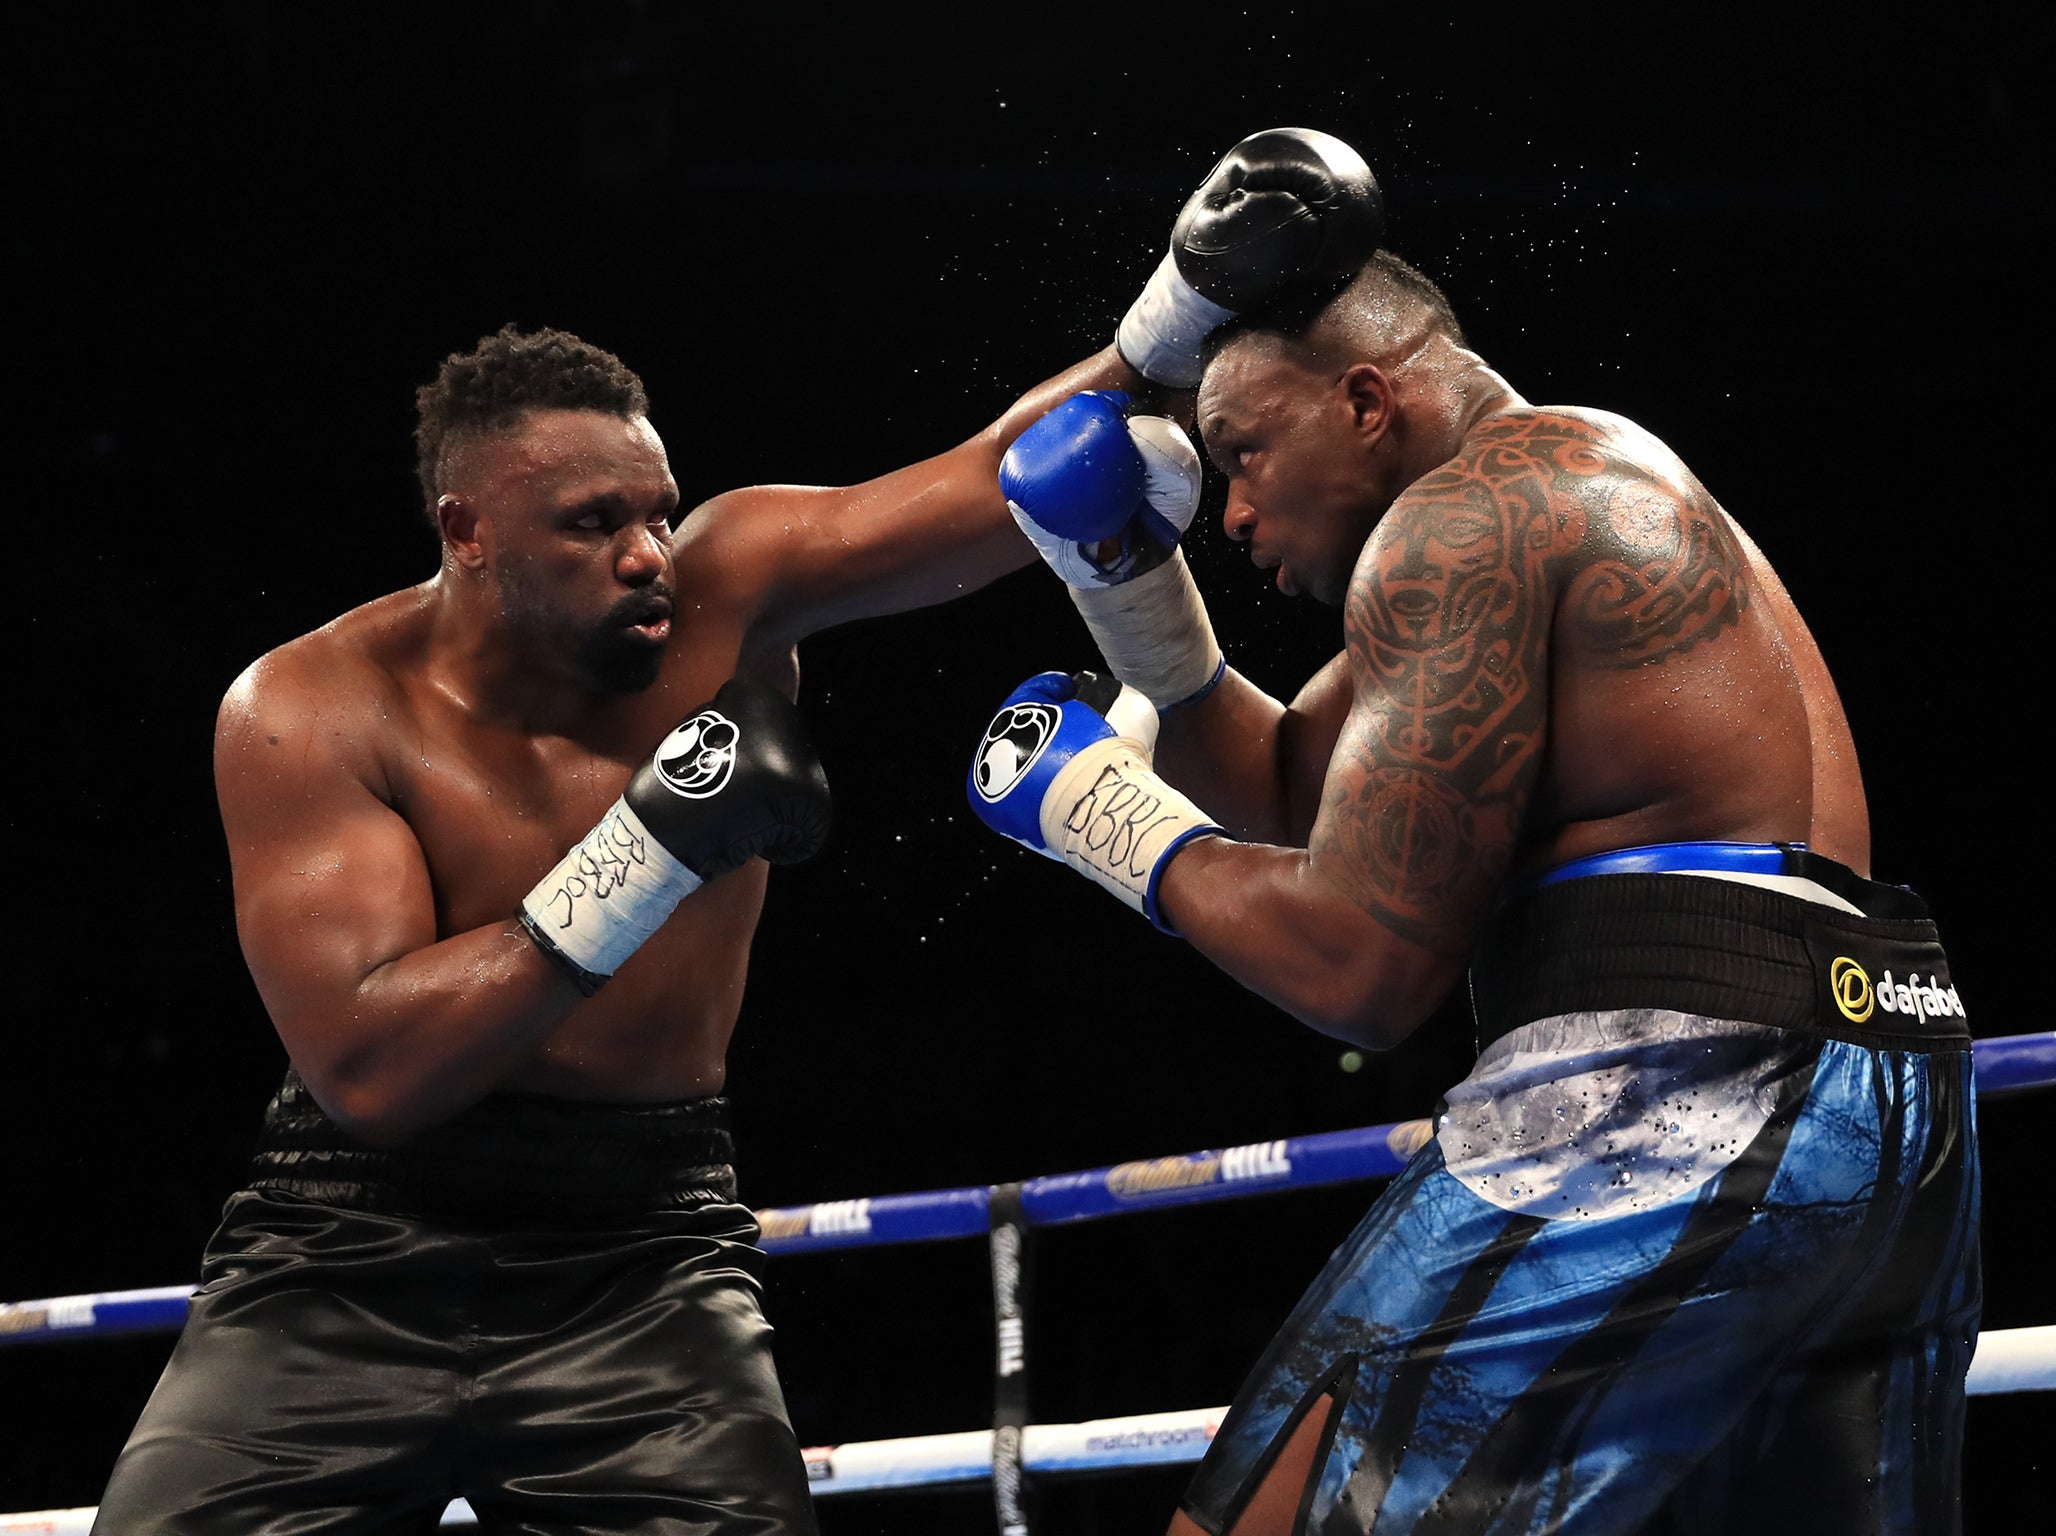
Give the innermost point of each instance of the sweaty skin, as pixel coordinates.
(393, 783)
(1557, 643)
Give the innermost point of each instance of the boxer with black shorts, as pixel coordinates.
(1695, 1245)
(499, 845)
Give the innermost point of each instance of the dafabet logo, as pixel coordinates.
(1856, 996)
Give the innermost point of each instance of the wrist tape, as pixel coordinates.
(605, 897)
(1109, 816)
(1154, 632)
(1161, 333)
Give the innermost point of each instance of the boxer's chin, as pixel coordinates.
(621, 660)
(1328, 588)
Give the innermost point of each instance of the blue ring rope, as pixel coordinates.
(2004, 1064)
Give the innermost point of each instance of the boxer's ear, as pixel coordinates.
(1372, 400)
(462, 530)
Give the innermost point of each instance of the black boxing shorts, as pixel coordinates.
(551, 1309)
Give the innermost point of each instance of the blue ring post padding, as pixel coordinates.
(2004, 1063)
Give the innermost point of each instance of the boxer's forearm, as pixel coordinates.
(427, 1034)
(924, 534)
(1224, 752)
(1268, 917)
(1104, 369)
(1256, 765)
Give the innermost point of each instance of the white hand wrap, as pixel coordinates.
(605, 897)
(1109, 816)
(1161, 333)
(1154, 632)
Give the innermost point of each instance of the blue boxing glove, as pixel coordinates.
(1064, 769)
(1104, 497)
(1287, 217)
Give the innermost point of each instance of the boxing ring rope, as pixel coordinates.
(2007, 1360)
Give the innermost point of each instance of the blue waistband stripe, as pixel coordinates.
(1679, 858)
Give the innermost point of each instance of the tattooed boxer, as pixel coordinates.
(1694, 1246)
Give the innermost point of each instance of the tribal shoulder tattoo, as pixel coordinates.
(1547, 529)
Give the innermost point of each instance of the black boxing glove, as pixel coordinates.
(737, 780)
(1288, 214)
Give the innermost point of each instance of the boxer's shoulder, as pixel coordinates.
(344, 683)
(1577, 481)
(371, 647)
(1573, 435)
(729, 552)
(756, 569)
(746, 524)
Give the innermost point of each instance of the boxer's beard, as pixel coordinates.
(607, 655)
(613, 656)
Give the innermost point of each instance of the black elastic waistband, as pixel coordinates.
(1723, 949)
(508, 1157)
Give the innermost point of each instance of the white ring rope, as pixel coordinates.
(2010, 1360)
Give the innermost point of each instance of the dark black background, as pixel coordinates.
(1804, 248)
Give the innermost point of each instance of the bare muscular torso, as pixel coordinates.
(492, 804)
(394, 784)
(1570, 628)
(1557, 644)
(494, 807)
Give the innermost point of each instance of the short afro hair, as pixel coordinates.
(509, 372)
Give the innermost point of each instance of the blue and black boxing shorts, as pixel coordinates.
(1694, 1247)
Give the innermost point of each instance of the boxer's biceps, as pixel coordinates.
(330, 885)
(1438, 757)
(1399, 841)
(1420, 809)
(1308, 733)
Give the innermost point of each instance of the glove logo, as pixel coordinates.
(1012, 743)
(697, 759)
